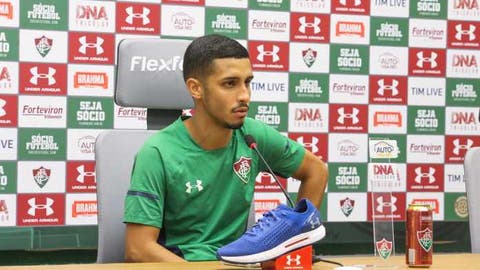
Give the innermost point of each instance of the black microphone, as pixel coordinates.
(253, 144)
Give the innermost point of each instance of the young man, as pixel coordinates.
(193, 182)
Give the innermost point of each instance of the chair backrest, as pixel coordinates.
(114, 158)
(472, 183)
(148, 75)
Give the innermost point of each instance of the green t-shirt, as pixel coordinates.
(201, 199)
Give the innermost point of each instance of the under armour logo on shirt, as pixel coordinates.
(198, 186)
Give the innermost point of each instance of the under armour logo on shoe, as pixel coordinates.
(295, 260)
(198, 186)
(314, 221)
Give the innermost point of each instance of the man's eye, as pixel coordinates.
(229, 84)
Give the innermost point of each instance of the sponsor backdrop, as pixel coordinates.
(329, 74)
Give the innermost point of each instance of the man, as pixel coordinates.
(193, 182)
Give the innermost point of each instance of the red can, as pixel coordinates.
(419, 236)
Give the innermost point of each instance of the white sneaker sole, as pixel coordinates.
(293, 243)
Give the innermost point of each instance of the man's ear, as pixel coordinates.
(194, 86)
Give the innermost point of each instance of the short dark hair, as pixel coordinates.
(200, 54)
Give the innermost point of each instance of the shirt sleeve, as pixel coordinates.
(144, 202)
(282, 154)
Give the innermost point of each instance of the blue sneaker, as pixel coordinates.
(279, 231)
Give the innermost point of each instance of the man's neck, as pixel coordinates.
(206, 134)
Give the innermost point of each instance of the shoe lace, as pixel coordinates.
(265, 221)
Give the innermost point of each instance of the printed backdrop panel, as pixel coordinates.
(331, 75)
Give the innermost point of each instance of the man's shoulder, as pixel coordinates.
(165, 136)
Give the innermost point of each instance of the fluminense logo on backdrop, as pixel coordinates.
(309, 56)
(43, 45)
(347, 205)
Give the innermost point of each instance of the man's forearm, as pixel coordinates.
(150, 252)
(313, 181)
